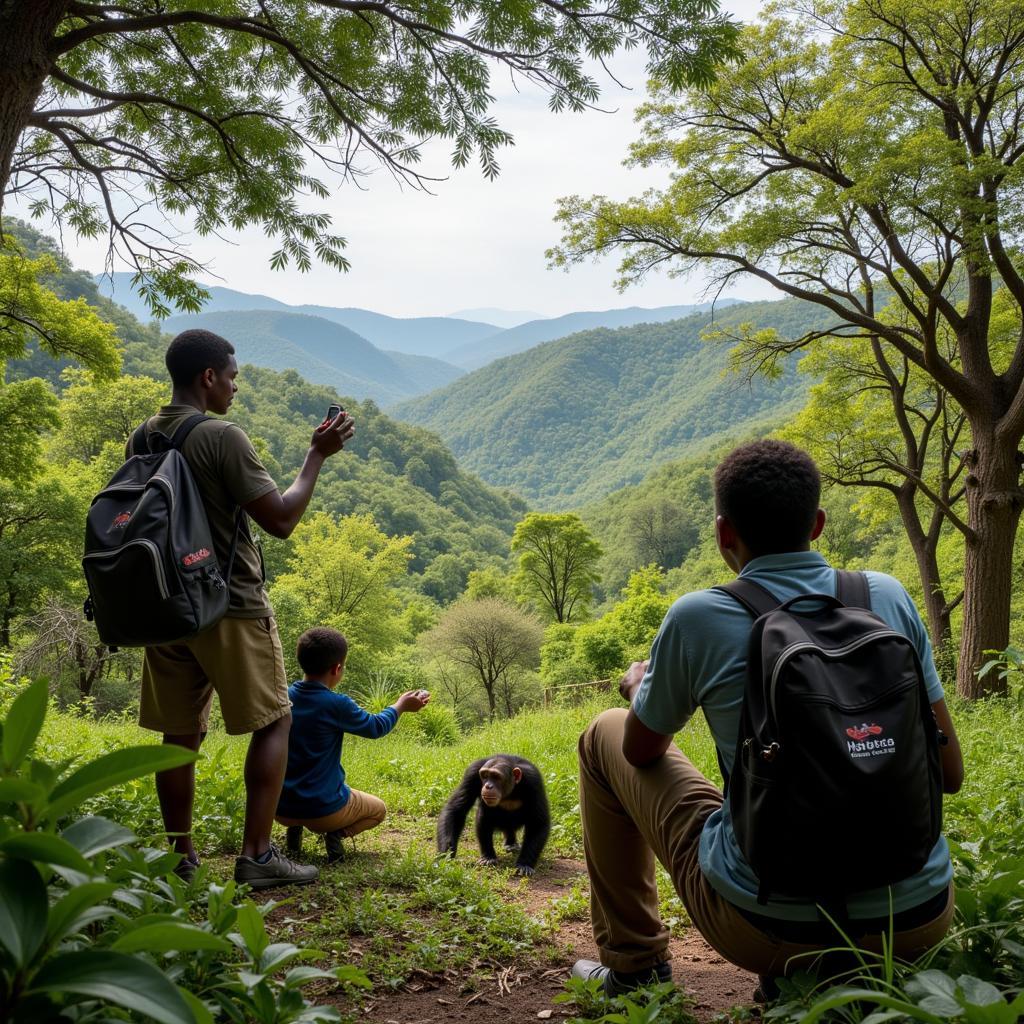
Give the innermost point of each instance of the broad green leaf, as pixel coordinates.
(347, 974)
(67, 912)
(278, 954)
(935, 992)
(197, 1006)
(23, 722)
(45, 848)
(169, 936)
(125, 981)
(94, 834)
(299, 976)
(252, 929)
(111, 770)
(23, 907)
(19, 790)
(978, 992)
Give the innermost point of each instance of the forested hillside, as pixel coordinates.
(324, 352)
(475, 354)
(401, 474)
(571, 420)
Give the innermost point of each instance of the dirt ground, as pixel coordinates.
(524, 991)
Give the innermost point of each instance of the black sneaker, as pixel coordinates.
(186, 868)
(293, 839)
(278, 870)
(335, 851)
(618, 982)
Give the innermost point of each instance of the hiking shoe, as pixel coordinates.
(186, 868)
(278, 870)
(293, 839)
(335, 851)
(616, 983)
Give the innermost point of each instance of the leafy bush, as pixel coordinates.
(436, 724)
(90, 920)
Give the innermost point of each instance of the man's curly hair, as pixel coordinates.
(769, 491)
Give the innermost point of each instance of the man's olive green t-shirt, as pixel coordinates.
(228, 473)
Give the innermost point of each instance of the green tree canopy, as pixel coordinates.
(490, 639)
(557, 562)
(864, 152)
(341, 574)
(232, 111)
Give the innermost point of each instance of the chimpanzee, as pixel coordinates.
(511, 793)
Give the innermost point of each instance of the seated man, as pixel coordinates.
(315, 794)
(641, 798)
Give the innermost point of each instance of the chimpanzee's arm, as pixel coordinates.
(537, 819)
(452, 819)
(485, 835)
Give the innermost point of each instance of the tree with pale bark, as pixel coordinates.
(867, 157)
(492, 641)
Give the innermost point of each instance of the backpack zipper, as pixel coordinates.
(154, 551)
(828, 652)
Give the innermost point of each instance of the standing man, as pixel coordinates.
(642, 799)
(240, 658)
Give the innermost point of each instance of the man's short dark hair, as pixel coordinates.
(193, 351)
(320, 649)
(769, 491)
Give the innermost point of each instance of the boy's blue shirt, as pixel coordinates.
(699, 659)
(314, 783)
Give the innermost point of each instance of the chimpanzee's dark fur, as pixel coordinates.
(528, 810)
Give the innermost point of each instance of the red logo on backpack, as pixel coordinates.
(121, 520)
(195, 556)
(863, 731)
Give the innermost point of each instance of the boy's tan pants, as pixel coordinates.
(363, 811)
(632, 815)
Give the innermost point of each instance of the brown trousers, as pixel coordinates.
(363, 811)
(632, 816)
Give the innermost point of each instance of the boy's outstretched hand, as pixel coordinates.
(412, 700)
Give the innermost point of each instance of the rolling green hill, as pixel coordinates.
(480, 352)
(403, 475)
(571, 420)
(322, 352)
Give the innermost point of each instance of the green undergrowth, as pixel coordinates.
(391, 909)
(413, 778)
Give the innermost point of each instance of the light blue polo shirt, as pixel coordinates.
(699, 660)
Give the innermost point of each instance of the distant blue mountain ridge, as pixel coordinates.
(323, 352)
(468, 344)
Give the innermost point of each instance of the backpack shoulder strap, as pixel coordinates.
(852, 589)
(140, 439)
(757, 600)
(185, 428)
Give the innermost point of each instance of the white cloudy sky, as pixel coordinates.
(474, 242)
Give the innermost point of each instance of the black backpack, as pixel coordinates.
(149, 560)
(836, 785)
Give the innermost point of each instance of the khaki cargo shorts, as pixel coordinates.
(238, 659)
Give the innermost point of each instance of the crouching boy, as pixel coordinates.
(315, 795)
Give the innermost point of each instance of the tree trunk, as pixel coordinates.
(492, 701)
(924, 546)
(26, 29)
(994, 499)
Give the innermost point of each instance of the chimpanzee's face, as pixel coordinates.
(499, 779)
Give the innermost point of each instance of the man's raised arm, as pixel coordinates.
(278, 514)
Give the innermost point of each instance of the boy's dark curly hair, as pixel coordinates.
(319, 649)
(769, 491)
